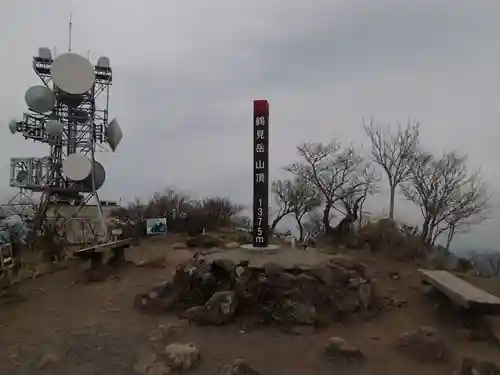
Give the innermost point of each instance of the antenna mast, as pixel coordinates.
(70, 29)
(69, 113)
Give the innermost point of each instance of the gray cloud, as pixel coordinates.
(186, 74)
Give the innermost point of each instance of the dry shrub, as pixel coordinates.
(384, 236)
(183, 214)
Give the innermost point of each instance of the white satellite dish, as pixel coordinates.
(99, 175)
(54, 128)
(39, 99)
(73, 73)
(13, 126)
(77, 167)
(114, 134)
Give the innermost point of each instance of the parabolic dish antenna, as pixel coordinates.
(72, 73)
(114, 134)
(99, 175)
(77, 167)
(39, 99)
(13, 126)
(54, 128)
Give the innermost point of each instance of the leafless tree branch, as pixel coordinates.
(394, 152)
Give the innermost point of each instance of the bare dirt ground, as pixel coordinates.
(87, 329)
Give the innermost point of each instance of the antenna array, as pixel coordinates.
(68, 111)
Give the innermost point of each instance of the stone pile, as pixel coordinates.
(212, 292)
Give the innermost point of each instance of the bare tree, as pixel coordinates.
(281, 191)
(448, 195)
(485, 264)
(303, 199)
(353, 197)
(394, 152)
(313, 224)
(334, 172)
(493, 263)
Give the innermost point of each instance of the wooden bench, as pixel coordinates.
(462, 293)
(95, 253)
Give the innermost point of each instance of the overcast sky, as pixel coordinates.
(186, 72)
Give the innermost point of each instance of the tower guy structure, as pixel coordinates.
(68, 112)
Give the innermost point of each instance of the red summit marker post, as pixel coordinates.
(260, 173)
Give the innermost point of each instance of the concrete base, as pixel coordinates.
(269, 249)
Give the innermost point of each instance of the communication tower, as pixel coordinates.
(68, 111)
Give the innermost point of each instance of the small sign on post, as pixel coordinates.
(260, 173)
(156, 226)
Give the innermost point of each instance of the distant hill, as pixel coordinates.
(486, 261)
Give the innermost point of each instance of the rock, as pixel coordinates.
(365, 295)
(240, 270)
(323, 274)
(471, 366)
(293, 312)
(221, 307)
(282, 280)
(354, 283)
(182, 356)
(303, 313)
(349, 263)
(159, 368)
(350, 352)
(335, 343)
(158, 300)
(398, 302)
(48, 359)
(272, 269)
(423, 344)
(347, 305)
(158, 262)
(232, 245)
(302, 330)
(394, 275)
(238, 367)
(204, 241)
(337, 348)
(162, 332)
(179, 246)
(211, 291)
(227, 266)
(196, 314)
(145, 362)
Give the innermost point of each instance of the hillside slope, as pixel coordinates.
(63, 326)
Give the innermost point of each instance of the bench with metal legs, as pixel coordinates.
(95, 253)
